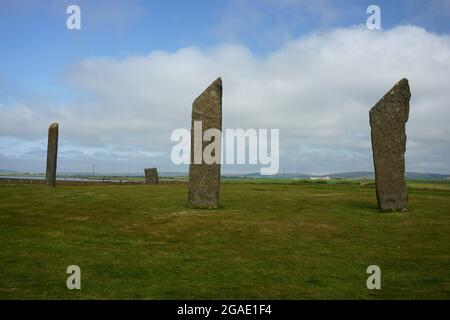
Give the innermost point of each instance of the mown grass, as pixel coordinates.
(268, 241)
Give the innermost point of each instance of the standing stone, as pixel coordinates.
(151, 176)
(204, 178)
(52, 154)
(387, 120)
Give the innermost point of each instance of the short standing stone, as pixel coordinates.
(151, 176)
(204, 177)
(52, 154)
(388, 120)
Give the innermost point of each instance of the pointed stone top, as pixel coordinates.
(400, 92)
(401, 87)
(213, 90)
(403, 84)
(403, 81)
(54, 125)
(218, 82)
(394, 102)
(216, 85)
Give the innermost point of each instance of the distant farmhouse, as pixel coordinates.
(320, 178)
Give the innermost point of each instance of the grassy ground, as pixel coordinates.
(269, 241)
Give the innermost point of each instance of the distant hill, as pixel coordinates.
(3, 171)
(353, 175)
(357, 175)
(276, 176)
(427, 176)
(344, 175)
(371, 175)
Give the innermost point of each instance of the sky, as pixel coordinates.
(312, 69)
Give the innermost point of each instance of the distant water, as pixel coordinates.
(22, 177)
(65, 179)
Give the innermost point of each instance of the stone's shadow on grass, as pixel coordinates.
(215, 208)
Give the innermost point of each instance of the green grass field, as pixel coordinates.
(269, 241)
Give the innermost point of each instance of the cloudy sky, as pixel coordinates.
(120, 86)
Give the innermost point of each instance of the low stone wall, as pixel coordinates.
(21, 181)
(77, 183)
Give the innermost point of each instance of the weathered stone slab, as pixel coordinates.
(52, 154)
(388, 120)
(204, 177)
(151, 176)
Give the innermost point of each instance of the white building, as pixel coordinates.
(320, 178)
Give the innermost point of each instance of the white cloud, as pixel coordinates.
(317, 90)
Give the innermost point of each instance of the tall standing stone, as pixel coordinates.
(204, 177)
(388, 120)
(151, 176)
(52, 154)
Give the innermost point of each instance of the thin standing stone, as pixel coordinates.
(204, 178)
(388, 120)
(52, 154)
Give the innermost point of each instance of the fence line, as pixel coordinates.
(74, 182)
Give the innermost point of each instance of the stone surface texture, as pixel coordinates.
(151, 176)
(52, 154)
(204, 179)
(388, 120)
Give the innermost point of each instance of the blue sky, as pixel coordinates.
(38, 53)
(36, 46)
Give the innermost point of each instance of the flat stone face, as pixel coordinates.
(52, 154)
(387, 120)
(151, 176)
(204, 179)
